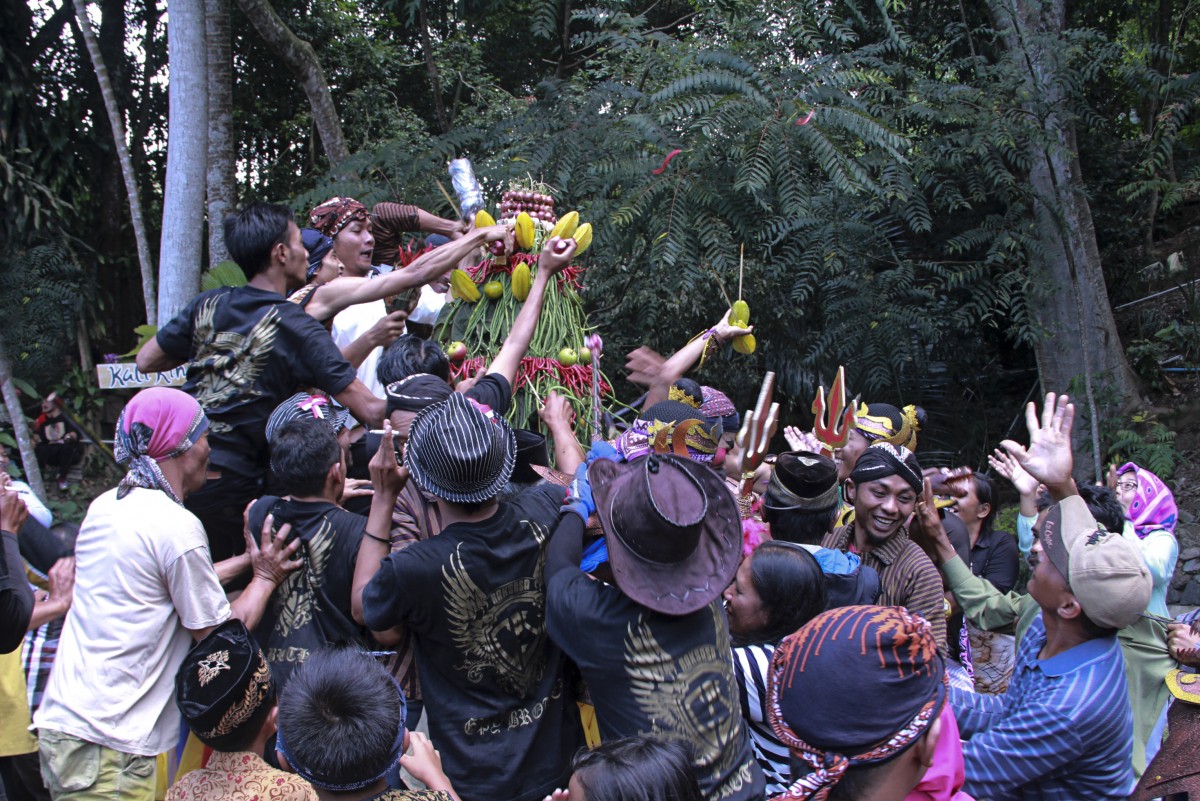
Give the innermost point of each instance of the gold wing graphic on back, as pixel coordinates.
(652, 675)
(258, 346)
(464, 604)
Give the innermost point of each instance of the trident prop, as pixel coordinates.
(826, 426)
(756, 433)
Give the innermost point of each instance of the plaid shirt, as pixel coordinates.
(415, 517)
(907, 577)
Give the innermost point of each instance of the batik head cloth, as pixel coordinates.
(159, 423)
(882, 421)
(884, 459)
(717, 404)
(1154, 505)
(854, 686)
(335, 214)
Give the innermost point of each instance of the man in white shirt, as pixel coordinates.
(145, 588)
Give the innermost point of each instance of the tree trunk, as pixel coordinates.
(12, 402)
(187, 150)
(222, 180)
(302, 60)
(117, 127)
(1081, 345)
(435, 81)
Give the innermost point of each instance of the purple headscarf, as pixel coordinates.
(1154, 506)
(158, 424)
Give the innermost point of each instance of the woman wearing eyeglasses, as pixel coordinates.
(1151, 515)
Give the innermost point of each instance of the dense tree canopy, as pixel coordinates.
(877, 162)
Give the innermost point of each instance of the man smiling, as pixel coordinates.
(883, 488)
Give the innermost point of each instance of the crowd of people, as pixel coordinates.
(323, 548)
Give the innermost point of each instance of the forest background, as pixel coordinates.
(962, 202)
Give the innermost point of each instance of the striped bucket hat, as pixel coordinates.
(460, 451)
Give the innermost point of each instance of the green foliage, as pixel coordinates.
(1143, 440)
(40, 305)
(226, 273)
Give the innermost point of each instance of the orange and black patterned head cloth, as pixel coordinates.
(856, 685)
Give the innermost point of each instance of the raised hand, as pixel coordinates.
(387, 475)
(1007, 467)
(1048, 458)
(644, 366)
(926, 528)
(556, 255)
(798, 440)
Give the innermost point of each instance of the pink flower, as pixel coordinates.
(754, 532)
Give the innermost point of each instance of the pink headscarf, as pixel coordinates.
(1154, 505)
(159, 423)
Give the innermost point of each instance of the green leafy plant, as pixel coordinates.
(1143, 440)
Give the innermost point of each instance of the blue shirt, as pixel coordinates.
(1062, 732)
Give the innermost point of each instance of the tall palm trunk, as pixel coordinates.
(222, 181)
(117, 126)
(181, 251)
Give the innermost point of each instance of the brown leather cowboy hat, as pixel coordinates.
(673, 531)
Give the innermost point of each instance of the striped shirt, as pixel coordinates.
(907, 577)
(750, 664)
(1062, 732)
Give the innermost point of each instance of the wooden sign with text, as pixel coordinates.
(127, 376)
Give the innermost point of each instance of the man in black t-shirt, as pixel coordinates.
(500, 710)
(311, 608)
(248, 349)
(654, 648)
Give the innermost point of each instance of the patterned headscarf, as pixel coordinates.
(882, 421)
(317, 245)
(883, 459)
(672, 427)
(886, 659)
(335, 214)
(159, 423)
(1154, 505)
(717, 404)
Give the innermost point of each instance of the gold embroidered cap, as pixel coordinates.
(223, 685)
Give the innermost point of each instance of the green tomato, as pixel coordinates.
(493, 289)
(567, 357)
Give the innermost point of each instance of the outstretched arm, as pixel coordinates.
(659, 377)
(556, 255)
(346, 291)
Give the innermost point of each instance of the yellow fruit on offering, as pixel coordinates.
(744, 344)
(582, 237)
(524, 231)
(483, 219)
(740, 313)
(463, 286)
(522, 282)
(493, 289)
(567, 225)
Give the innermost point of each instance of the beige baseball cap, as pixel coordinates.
(1105, 571)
